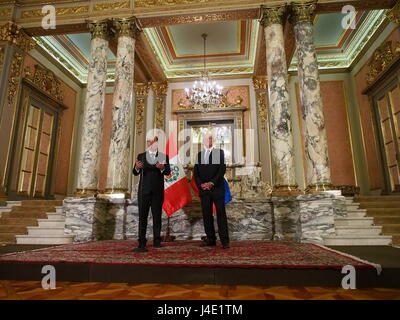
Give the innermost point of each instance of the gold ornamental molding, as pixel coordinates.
(1, 58)
(160, 88)
(37, 13)
(272, 15)
(260, 82)
(14, 34)
(5, 12)
(15, 75)
(302, 12)
(110, 6)
(261, 97)
(45, 80)
(127, 27)
(141, 89)
(381, 59)
(163, 3)
(140, 105)
(394, 14)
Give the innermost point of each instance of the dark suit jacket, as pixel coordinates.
(153, 178)
(214, 172)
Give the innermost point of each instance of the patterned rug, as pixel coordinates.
(242, 254)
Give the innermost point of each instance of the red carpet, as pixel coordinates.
(242, 254)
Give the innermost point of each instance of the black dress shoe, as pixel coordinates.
(157, 245)
(140, 250)
(225, 246)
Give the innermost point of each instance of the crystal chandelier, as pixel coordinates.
(205, 94)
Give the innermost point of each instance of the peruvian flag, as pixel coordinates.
(176, 188)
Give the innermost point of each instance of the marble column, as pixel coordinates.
(315, 141)
(283, 161)
(119, 153)
(88, 175)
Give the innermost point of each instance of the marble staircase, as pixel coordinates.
(33, 222)
(357, 228)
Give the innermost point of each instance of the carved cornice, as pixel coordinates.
(272, 15)
(14, 34)
(45, 80)
(381, 59)
(109, 6)
(160, 88)
(100, 29)
(141, 89)
(127, 27)
(260, 82)
(163, 3)
(302, 12)
(37, 13)
(394, 14)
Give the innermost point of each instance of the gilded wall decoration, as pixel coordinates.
(262, 108)
(238, 96)
(162, 3)
(141, 89)
(394, 14)
(109, 6)
(160, 90)
(5, 12)
(15, 75)
(37, 13)
(14, 34)
(140, 105)
(260, 82)
(45, 80)
(1, 58)
(381, 59)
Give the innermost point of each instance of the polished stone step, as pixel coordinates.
(357, 240)
(355, 222)
(45, 231)
(396, 239)
(355, 231)
(27, 239)
(391, 228)
(7, 237)
(383, 212)
(11, 204)
(356, 214)
(380, 220)
(49, 223)
(42, 202)
(36, 215)
(376, 198)
(55, 215)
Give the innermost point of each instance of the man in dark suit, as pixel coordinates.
(152, 166)
(209, 173)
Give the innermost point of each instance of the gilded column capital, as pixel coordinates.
(272, 15)
(160, 88)
(302, 12)
(129, 27)
(141, 89)
(14, 34)
(394, 14)
(100, 29)
(260, 82)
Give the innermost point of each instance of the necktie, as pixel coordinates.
(207, 156)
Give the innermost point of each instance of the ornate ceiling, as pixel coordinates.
(231, 46)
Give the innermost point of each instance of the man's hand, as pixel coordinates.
(138, 165)
(207, 185)
(160, 165)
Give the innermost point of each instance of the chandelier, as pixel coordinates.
(205, 94)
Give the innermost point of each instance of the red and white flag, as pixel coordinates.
(176, 187)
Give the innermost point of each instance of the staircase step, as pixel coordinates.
(17, 229)
(384, 204)
(354, 222)
(376, 198)
(19, 221)
(13, 203)
(53, 215)
(391, 228)
(7, 237)
(396, 239)
(356, 214)
(386, 220)
(33, 209)
(35, 215)
(353, 206)
(383, 211)
(42, 202)
(355, 231)
(43, 231)
(358, 240)
(49, 223)
(27, 239)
